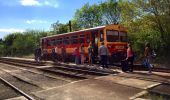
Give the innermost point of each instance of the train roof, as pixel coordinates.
(99, 27)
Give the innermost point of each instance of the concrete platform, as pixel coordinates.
(155, 76)
(131, 82)
(103, 88)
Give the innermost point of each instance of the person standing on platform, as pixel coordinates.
(37, 54)
(91, 54)
(54, 55)
(82, 51)
(63, 51)
(148, 54)
(130, 57)
(103, 53)
(77, 56)
(56, 52)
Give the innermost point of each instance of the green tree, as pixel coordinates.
(110, 12)
(75, 25)
(1, 47)
(158, 11)
(147, 21)
(59, 28)
(8, 42)
(88, 16)
(19, 44)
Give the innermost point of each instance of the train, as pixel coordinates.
(114, 37)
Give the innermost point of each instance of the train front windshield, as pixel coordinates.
(112, 36)
(123, 36)
(115, 36)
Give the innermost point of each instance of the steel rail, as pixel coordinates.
(92, 72)
(18, 90)
(58, 72)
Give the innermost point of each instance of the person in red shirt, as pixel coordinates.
(77, 55)
(130, 57)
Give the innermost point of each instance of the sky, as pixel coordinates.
(21, 15)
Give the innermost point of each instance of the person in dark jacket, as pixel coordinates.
(54, 55)
(63, 51)
(37, 54)
(91, 54)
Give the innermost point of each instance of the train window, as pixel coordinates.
(82, 39)
(101, 36)
(81, 36)
(123, 36)
(74, 39)
(59, 41)
(66, 40)
(48, 43)
(52, 42)
(112, 36)
(56, 42)
(88, 38)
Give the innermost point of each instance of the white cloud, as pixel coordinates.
(35, 21)
(11, 30)
(50, 3)
(30, 3)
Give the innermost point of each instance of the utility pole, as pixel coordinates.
(70, 26)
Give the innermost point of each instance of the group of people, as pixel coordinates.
(56, 57)
(148, 53)
(103, 55)
(102, 52)
(79, 55)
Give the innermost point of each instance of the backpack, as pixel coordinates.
(153, 55)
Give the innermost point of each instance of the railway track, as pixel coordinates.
(17, 87)
(63, 70)
(34, 76)
(77, 73)
(18, 90)
(39, 80)
(138, 67)
(40, 69)
(6, 91)
(25, 82)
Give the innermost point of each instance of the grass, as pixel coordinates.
(154, 96)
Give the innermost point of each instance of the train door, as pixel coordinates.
(43, 43)
(94, 40)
